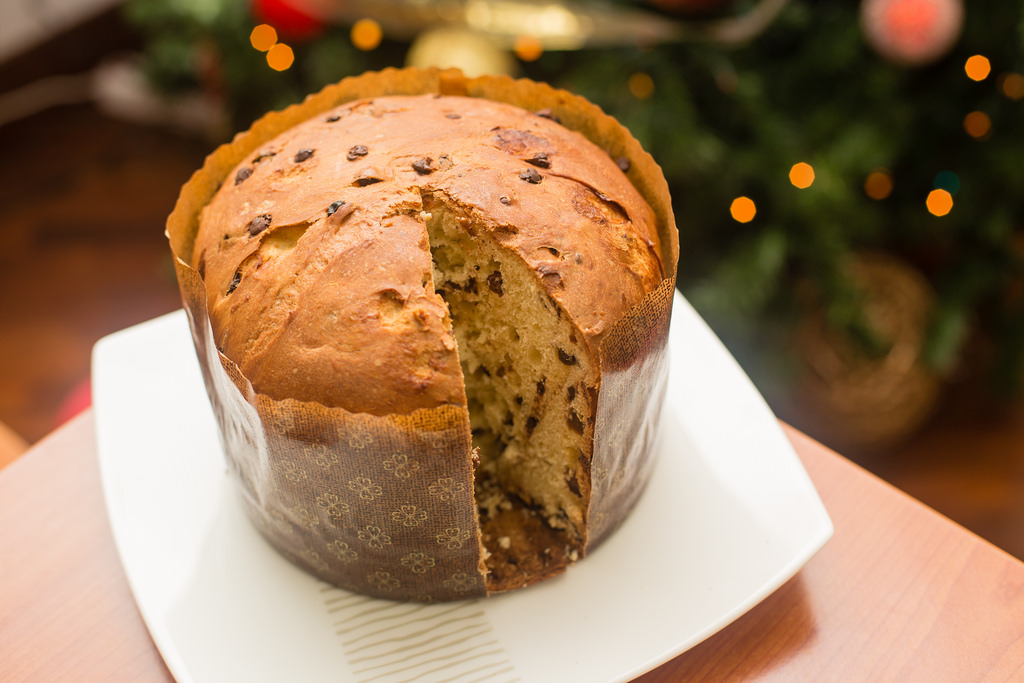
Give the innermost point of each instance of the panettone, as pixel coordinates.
(471, 295)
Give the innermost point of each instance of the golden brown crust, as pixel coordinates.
(333, 303)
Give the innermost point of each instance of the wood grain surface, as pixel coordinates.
(66, 612)
(899, 594)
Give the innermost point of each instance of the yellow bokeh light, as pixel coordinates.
(641, 85)
(263, 37)
(743, 209)
(878, 184)
(801, 175)
(280, 57)
(1012, 85)
(978, 67)
(978, 125)
(528, 48)
(366, 34)
(939, 202)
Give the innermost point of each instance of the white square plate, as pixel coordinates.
(728, 517)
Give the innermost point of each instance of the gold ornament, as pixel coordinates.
(854, 401)
(472, 52)
(564, 25)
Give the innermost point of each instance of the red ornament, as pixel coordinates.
(912, 32)
(288, 18)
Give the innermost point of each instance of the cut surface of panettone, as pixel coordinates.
(530, 388)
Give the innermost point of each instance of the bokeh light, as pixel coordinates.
(1012, 86)
(801, 175)
(528, 48)
(939, 202)
(948, 181)
(263, 37)
(280, 57)
(743, 209)
(978, 67)
(641, 85)
(978, 125)
(878, 184)
(366, 34)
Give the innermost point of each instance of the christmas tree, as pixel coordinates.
(846, 177)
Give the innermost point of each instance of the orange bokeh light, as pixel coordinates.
(878, 184)
(978, 67)
(801, 175)
(641, 85)
(528, 48)
(939, 202)
(1012, 86)
(743, 209)
(263, 37)
(978, 125)
(366, 34)
(280, 57)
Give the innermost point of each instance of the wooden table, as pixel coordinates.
(900, 593)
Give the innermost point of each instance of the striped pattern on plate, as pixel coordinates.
(397, 642)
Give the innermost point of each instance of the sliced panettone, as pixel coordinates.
(398, 257)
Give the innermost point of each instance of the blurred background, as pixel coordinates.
(847, 179)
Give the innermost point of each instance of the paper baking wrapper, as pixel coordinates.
(383, 505)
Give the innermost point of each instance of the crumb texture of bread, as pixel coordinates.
(530, 384)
